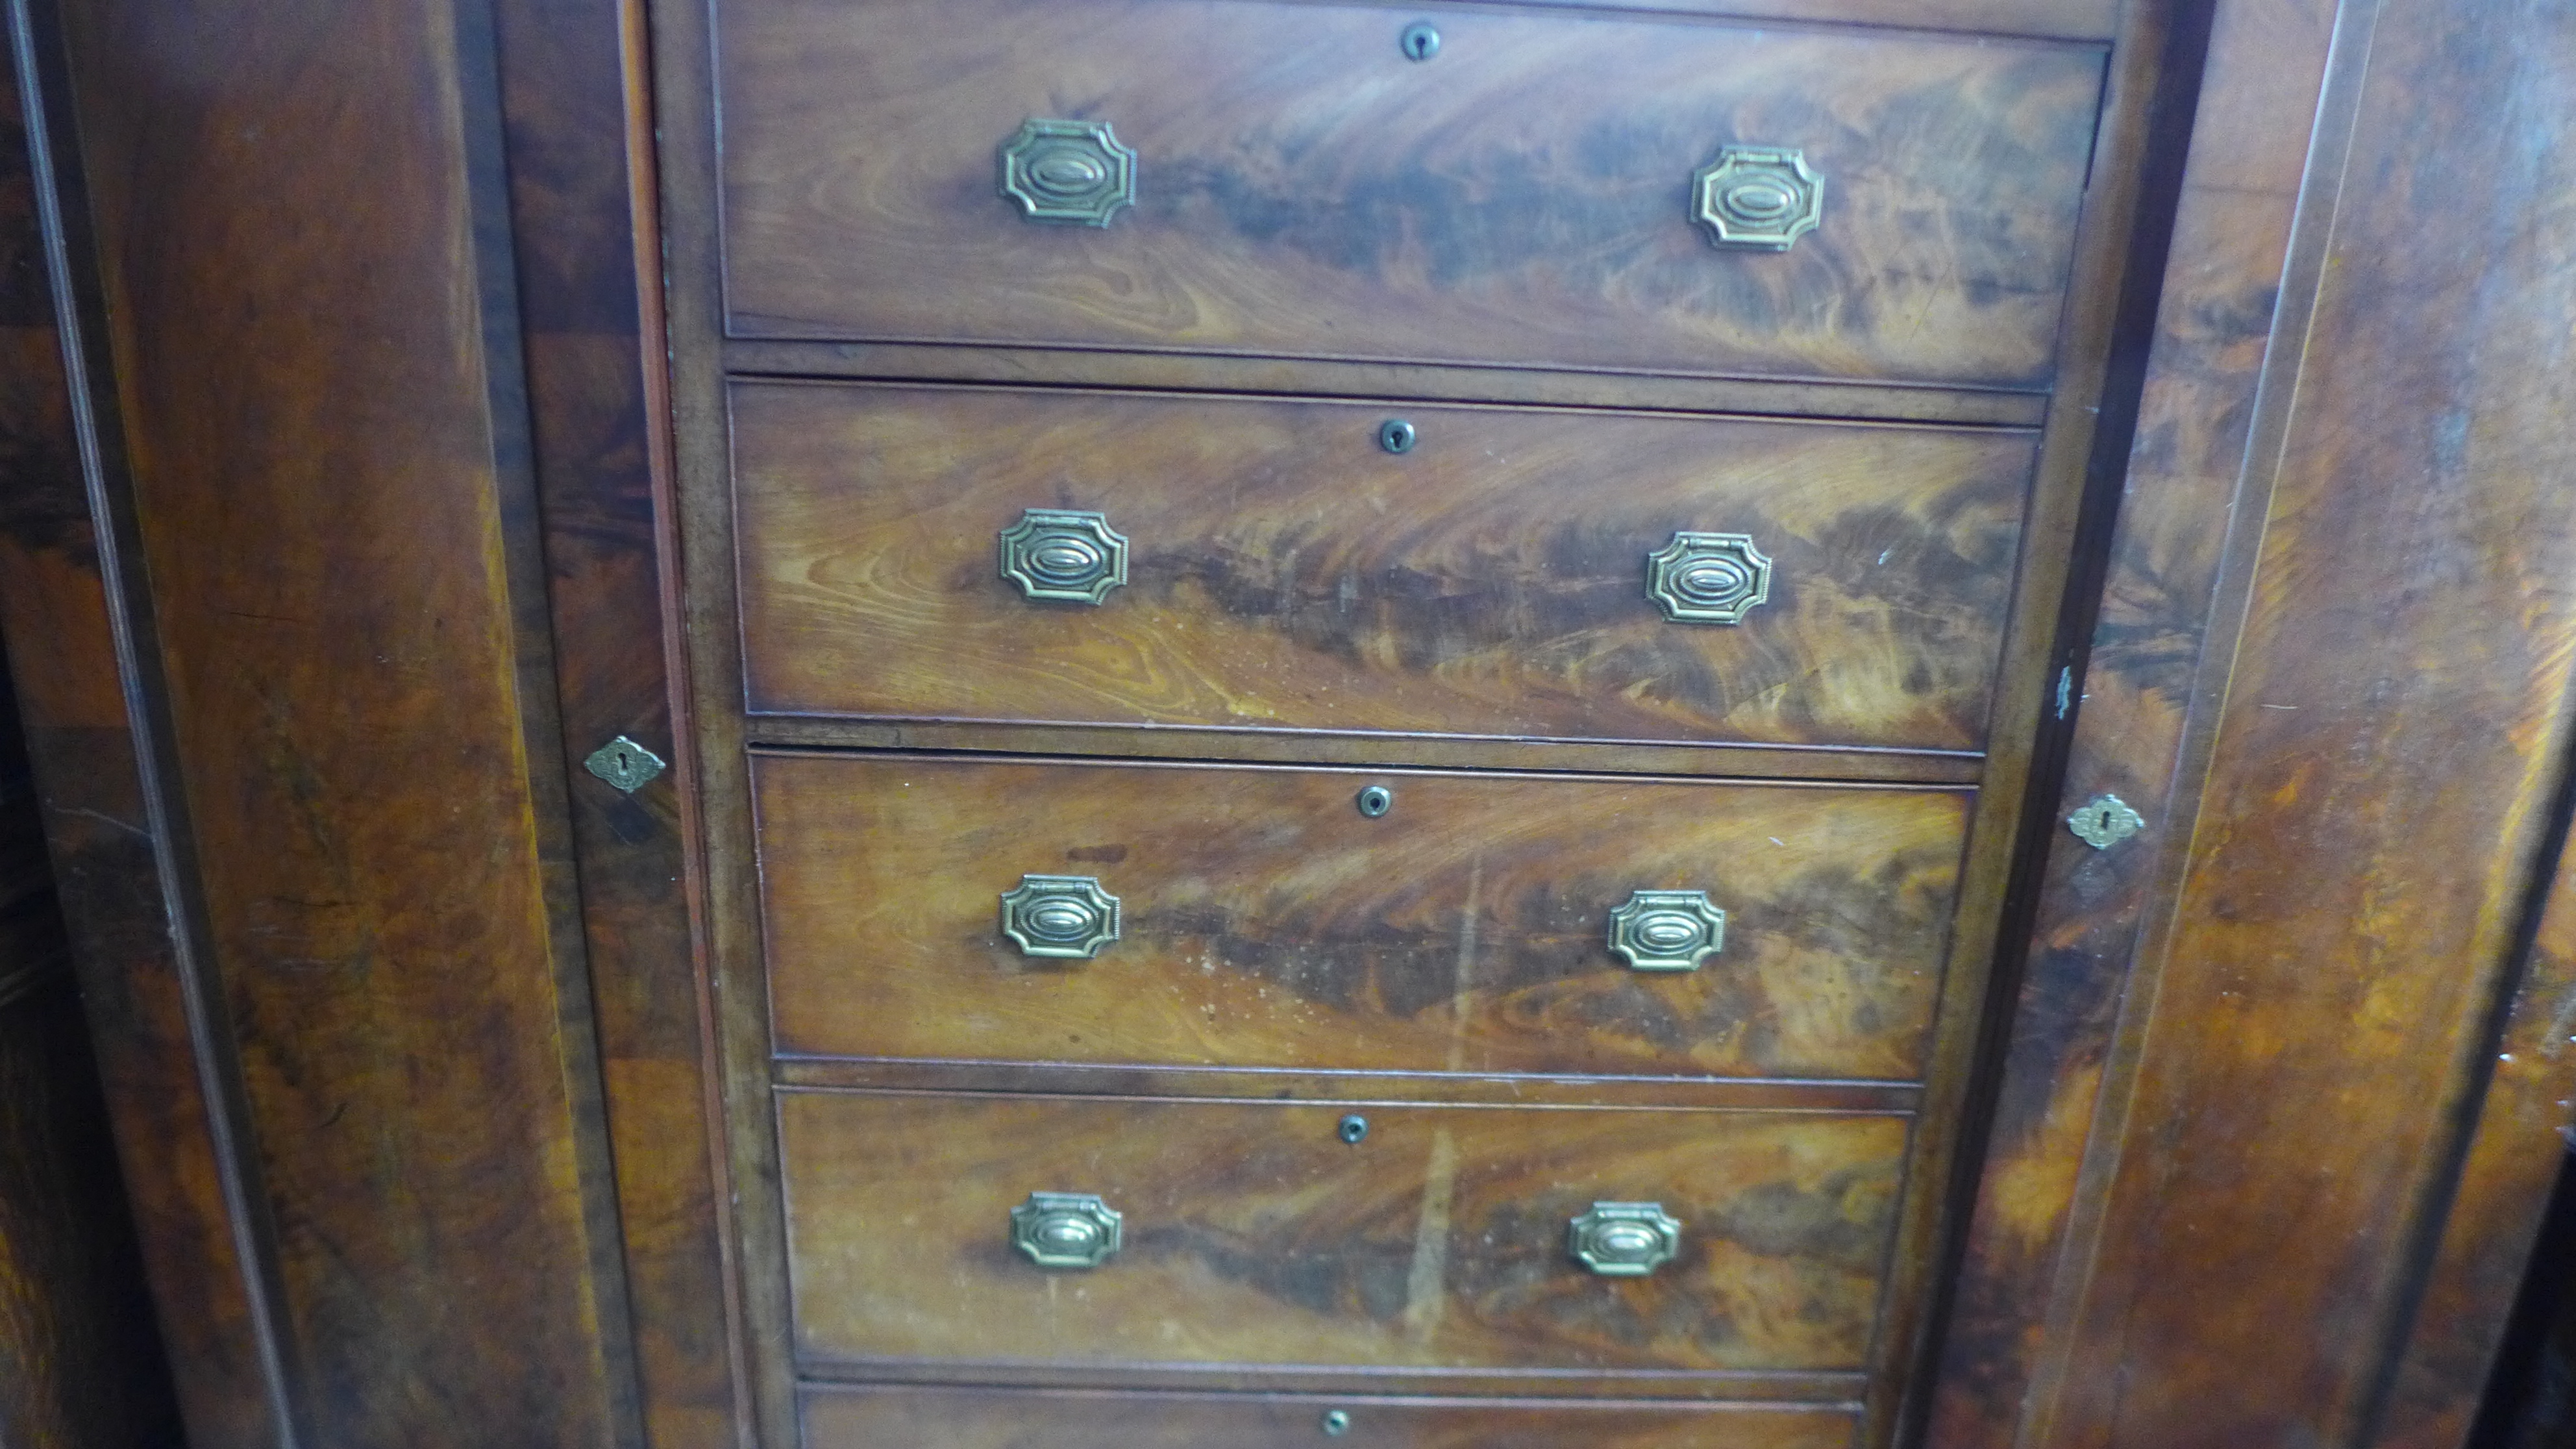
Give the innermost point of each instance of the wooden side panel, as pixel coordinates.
(57, 613)
(589, 280)
(2380, 769)
(1255, 1235)
(2362, 771)
(917, 1418)
(2221, 294)
(1265, 922)
(2512, 1163)
(325, 485)
(81, 1366)
(1303, 188)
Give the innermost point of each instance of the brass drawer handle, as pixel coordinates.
(1624, 1239)
(1065, 917)
(1667, 930)
(1757, 198)
(1708, 578)
(1071, 172)
(1065, 1230)
(1063, 553)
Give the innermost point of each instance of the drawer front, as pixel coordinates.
(1301, 187)
(1283, 570)
(1251, 1233)
(931, 1418)
(1264, 921)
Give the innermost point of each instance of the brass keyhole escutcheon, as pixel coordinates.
(1420, 41)
(1397, 436)
(1375, 801)
(1354, 1129)
(1336, 1423)
(2105, 821)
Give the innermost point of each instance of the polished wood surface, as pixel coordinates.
(81, 1359)
(578, 132)
(317, 442)
(916, 1418)
(2497, 1229)
(1255, 1235)
(2346, 725)
(1267, 923)
(1303, 188)
(66, 595)
(1285, 571)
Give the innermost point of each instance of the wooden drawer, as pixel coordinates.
(1302, 188)
(1285, 571)
(1252, 1234)
(1264, 921)
(904, 1417)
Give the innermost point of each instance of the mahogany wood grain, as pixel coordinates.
(2067, 19)
(81, 1365)
(843, 1417)
(1890, 402)
(1266, 922)
(1255, 1235)
(1284, 570)
(1295, 1084)
(1362, 749)
(66, 595)
(1303, 188)
(321, 434)
(580, 166)
(2498, 1201)
(2261, 1021)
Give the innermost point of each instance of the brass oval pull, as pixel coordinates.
(1066, 1230)
(1062, 917)
(1708, 578)
(1667, 930)
(1071, 172)
(1757, 198)
(1064, 554)
(1624, 1239)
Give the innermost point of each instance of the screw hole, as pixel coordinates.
(1396, 435)
(1376, 800)
(1354, 1129)
(1336, 1423)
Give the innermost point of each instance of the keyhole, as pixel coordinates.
(1336, 1423)
(1396, 435)
(1421, 41)
(1376, 800)
(1354, 1129)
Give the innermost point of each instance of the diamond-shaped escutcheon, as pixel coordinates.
(1757, 198)
(1624, 1239)
(1667, 930)
(1065, 917)
(1073, 172)
(1708, 578)
(624, 764)
(1066, 1230)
